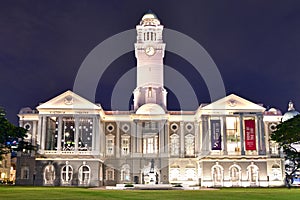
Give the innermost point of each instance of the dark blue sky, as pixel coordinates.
(255, 44)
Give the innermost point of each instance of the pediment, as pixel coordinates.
(233, 102)
(68, 100)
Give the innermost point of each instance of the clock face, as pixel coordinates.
(150, 51)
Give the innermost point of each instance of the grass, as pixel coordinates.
(56, 193)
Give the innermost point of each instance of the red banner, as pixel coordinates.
(250, 140)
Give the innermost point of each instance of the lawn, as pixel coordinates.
(49, 193)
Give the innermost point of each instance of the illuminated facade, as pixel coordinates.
(221, 144)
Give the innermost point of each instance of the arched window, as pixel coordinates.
(252, 173)
(66, 174)
(84, 175)
(217, 174)
(189, 144)
(174, 140)
(125, 173)
(49, 175)
(235, 174)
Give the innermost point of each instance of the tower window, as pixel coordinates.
(150, 92)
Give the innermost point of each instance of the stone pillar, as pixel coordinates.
(205, 136)
(242, 134)
(34, 135)
(21, 122)
(95, 138)
(166, 135)
(200, 137)
(59, 134)
(118, 140)
(76, 139)
(139, 137)
(161, 139)
(258, 137)
(181, 140)
(44, 125)
(39, 132)
(133, 136)
(224, 136)
(261, 139)
(102, 138)
(197, 138)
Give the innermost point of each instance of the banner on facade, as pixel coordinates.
(216, 140)
(250, 141)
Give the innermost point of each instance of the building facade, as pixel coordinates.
(222, 144)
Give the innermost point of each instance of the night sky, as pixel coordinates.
(255, 45)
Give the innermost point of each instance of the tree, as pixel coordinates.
(287, 135)
(11, 136)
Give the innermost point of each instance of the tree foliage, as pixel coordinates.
(287, 135)
(11, 136)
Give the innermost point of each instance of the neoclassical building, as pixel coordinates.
(221, 144)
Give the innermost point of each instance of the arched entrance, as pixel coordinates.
(150, 174)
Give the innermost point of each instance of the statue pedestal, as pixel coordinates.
(152, 178)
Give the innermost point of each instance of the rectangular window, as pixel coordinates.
(51, 133)
(150, 144)
(110, 174)
(233, 135)
(85, 134)
(68, 134)
(125, 145)
(110, 145)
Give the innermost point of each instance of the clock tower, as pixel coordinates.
(149, 52)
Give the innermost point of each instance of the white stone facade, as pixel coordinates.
(221, 144)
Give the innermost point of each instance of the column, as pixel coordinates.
(44, 124)
(39, 132)
(166, 135)
(224, 136)
(21, 122)
(102, 138)
(139, 137)
(133, 136)
(257, 128)
(118, 140)
(34, 135)
(59, 133)
(181, 140)
(262, 143)
(161, 139)
(197, 138)
(95, 144)
(76, 139)
(242, 134)
(205, 136)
